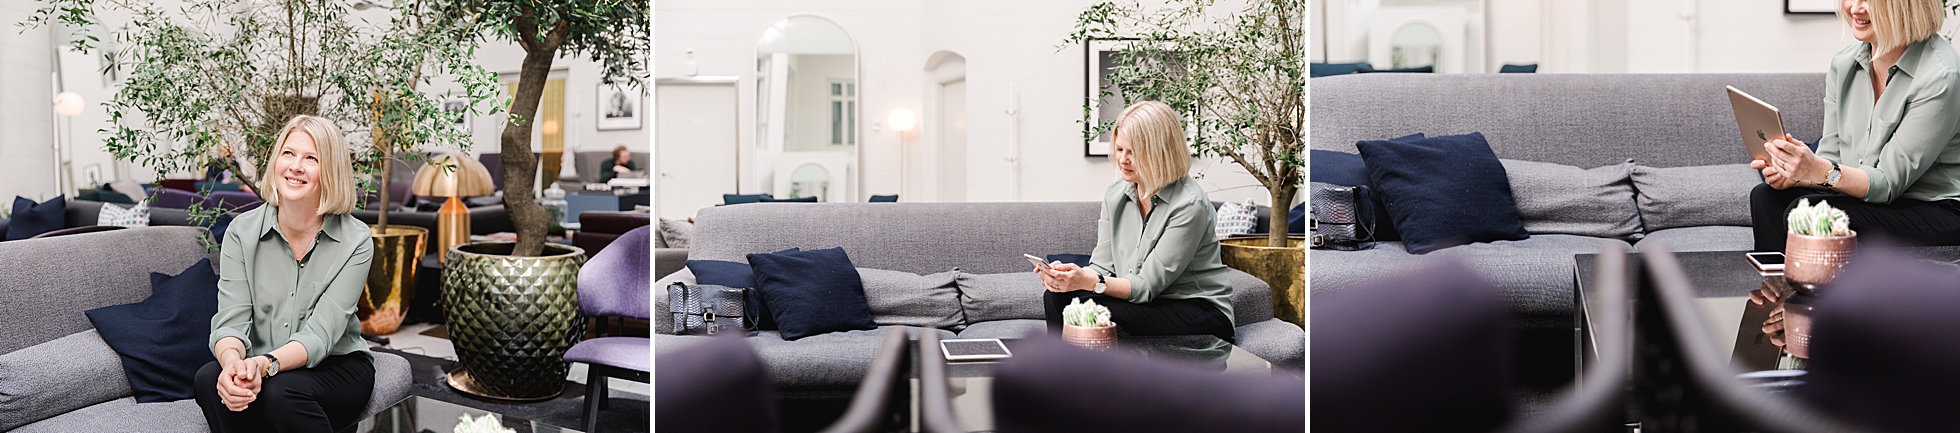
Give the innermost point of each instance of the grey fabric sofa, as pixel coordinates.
(995, 296)
(1660, 153)
(56, 374)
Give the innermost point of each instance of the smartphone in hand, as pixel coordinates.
(1037, 261)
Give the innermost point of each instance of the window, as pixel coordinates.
(843, 112)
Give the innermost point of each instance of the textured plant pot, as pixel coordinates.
(1092, 338)
(1810, 261)
(511, 319)
(391, 278)
(1284, 269)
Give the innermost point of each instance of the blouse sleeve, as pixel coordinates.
(234, 318)
(328, 320)
(1932, 114)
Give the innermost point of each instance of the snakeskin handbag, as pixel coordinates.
(1337, 222)
(708, 309)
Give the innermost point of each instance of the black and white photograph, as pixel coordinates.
(619, 108)
(460, 108)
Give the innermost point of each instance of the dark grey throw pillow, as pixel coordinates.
(905, 298)
(1709, 195)
(1567, 200)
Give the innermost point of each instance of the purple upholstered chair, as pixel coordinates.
(614, 283)
(232, 201)
(171, 198)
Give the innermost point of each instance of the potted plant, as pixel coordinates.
(1819, 244)
(1087, 325)
(1241, 84)
(213, 82)
(513, 307)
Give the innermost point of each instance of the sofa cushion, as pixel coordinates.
(30, 218)
(1277, 341)
(1443, 191)
(57, 377)
(905, 298)
(1709, 195)
(162, 340)
(812, 292)
(126, 415)
(136, 215)
(1705, 238)
(1347, 169)
(1007, 296)
(1534, 276)
(1566, 200)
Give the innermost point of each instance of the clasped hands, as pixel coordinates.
(239, 382)
(1066, 277)
(1791, 163)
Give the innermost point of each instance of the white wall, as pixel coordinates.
(26, 109)
(1012, 43)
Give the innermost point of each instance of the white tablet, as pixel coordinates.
(1760, 122)
(974, 349)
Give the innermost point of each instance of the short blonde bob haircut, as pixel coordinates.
(1898, 23)
(337, 187)
(1156, 138)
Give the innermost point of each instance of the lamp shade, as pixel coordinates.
(68, 104)
(902, 120)
(468, 179)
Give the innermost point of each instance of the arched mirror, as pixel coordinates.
(806, 109)
(1416, 45)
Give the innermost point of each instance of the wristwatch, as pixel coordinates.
(1100, 284)
(271, 369)
(1832, 177)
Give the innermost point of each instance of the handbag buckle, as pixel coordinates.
(1319, 240)
(708, 316)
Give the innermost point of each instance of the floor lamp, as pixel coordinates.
(453, 176)
(902, 121)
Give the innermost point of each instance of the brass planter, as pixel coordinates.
(391, 278)
(1811, 261)
(512, 319)
(1285, 269)
(1090, 337)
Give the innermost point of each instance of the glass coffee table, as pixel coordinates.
(970, 383)
(1762, 322)
(419, 414)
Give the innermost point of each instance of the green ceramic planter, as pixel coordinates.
(511, 319)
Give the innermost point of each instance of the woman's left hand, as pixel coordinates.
(1794, 164)
(1067, 277)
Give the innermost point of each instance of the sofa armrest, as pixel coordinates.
(663, 322)
(57, 377)
(665, 260)
(1252, 298)
(1277, 341)
(391, 382)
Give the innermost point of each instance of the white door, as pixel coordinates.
(952, 141)
(698, 143)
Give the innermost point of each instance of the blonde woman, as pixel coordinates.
(1156, 263)
(1890, 155)
(290, 354)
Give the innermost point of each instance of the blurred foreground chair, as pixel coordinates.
(1429, 350)
(720, 385)
(614, 284)
(1598, 402)
(1885, 343)
(1051, 386)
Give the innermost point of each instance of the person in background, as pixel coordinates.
(1156, 264)
(620, 163)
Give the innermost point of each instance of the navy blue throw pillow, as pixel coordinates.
(812, 292)
(162, 340)
(810, 199)
(32, 219)
(1347, 169)
(1518, 69)
(1296, 220)
(737, 275)
(1331, 69)
(1078, 259)
(1443, 191)
(728, 199)
(884, 198)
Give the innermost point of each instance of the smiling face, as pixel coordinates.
(1125, 158)
(297, 169)
(1858, 14)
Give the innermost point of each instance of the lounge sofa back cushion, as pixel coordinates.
(1013, 295)
(45, 293)
(1567, 200)
(1715, 195)
(1581, 120)
(57, 377)
(920, 238)
(905, 298)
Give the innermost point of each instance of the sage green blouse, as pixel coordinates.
(1171, 254)
(266, 298)
(1908, 139)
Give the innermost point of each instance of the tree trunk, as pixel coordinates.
(1282, 196)
(520, 168)
(387, 181)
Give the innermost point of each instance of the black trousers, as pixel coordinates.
(1902, 222)
(1157, 317)
(326, 398)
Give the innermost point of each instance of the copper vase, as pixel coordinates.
(1092, 338)
(391, 278)
(1815, 260)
